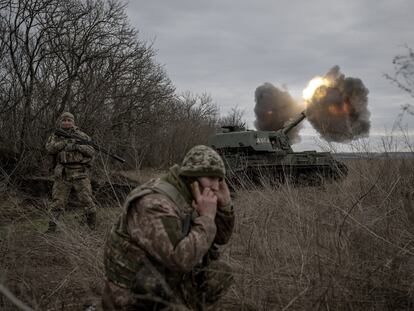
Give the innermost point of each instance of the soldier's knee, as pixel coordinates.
(219, 278)
(86, 199)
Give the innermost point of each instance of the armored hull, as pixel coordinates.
(304, 168)
(267, 156)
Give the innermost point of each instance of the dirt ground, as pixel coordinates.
(59, 271)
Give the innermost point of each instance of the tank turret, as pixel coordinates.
(256, 155)
(237, 139)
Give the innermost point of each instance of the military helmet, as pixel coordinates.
(202, 161)
(67, 115)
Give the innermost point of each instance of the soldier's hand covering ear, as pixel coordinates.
(204, 202)
(223, 194)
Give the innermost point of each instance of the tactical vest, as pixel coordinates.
(126, 263)
(73, 157)
(72, 164)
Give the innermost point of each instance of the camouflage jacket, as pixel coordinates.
(152, 231)
(71, 159)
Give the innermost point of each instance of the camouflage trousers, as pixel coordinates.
(199, 290)
(81, 187)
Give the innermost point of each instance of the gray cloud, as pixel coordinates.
(228, 48)
(274, 108)
(338, 110)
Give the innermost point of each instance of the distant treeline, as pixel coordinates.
(372, 155)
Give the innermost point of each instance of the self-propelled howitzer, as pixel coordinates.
(257, 156)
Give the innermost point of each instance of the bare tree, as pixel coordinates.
(23, 36)
(83, 56)
(190, 121)
(75, 55)
(403, 76)
(234, 118)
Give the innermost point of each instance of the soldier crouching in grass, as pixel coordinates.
(162, 253)
(71, 171)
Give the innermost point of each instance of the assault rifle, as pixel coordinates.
(82, 141)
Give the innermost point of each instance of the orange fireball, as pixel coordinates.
(340, 110)
(313, 85)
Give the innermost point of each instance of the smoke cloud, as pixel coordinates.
(338, 110)
(274, 109)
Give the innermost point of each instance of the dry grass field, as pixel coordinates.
(342, 246)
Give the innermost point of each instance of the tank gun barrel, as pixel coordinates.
(295, 122)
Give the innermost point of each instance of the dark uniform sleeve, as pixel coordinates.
(225, 224)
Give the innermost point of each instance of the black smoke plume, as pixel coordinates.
(338, 110)
(274, 109)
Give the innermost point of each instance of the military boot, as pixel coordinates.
(91, 220)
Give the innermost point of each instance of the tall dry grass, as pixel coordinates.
(341, 246)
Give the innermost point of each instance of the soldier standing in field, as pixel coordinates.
(162, 253)
(71, 171)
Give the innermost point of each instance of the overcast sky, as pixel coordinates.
(228, 48)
